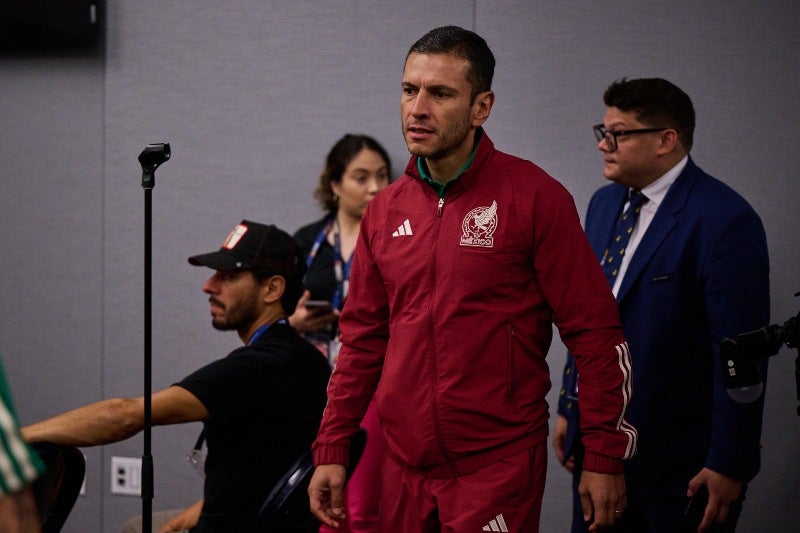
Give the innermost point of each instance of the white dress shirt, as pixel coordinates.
(655, 193)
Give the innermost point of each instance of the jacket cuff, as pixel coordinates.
(331, 454)
(737, 468)
(602, 464)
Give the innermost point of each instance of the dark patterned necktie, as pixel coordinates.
(612, 256)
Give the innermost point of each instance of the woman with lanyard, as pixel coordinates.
(356, 168)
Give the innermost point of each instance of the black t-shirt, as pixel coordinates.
(265, 403)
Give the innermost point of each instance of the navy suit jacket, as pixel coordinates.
(700, 274)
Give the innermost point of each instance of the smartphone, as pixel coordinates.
(695, 510)
(319, 304)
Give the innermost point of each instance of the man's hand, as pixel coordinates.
(18, 512)
(602, 498)
(325, 494)
(559, 436)
(184, 520)
(722, 492)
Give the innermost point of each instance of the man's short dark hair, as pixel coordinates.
(464, 44)
(656, 103)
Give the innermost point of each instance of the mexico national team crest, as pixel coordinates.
(477, 228)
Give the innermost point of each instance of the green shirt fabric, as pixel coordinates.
(19, 464)
(440, 188)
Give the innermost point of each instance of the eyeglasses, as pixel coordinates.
(600, 132)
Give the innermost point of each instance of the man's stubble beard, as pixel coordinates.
(238, 316)
(448, 141)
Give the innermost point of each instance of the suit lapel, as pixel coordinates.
(666, 218)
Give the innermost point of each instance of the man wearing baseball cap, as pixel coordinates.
(260, 406)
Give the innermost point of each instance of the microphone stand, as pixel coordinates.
(150, 159)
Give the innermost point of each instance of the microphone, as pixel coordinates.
(151, 158)
(742, 377)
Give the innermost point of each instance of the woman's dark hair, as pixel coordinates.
(342, 153)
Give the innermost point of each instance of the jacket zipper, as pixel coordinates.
(434, 365)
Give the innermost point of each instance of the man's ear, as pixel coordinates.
(482, 107)
(669, 141)
(273, 288)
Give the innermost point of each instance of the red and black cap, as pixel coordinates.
(256, 247)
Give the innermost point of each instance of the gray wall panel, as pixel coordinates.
(51, 112)
(252, 95)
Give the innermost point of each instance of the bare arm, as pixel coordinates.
(114, 420)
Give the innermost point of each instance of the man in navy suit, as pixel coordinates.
(694, 271)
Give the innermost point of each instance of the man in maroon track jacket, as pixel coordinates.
(461, 268)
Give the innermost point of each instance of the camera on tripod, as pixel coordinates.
(742, 376)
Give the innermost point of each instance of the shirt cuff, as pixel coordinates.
(602, 464)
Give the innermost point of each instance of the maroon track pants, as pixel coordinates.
(503, 496)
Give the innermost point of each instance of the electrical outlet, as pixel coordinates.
(126, 476)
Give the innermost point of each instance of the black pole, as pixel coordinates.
(147, 458)
(150, 158)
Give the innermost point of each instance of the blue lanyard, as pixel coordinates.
(262, 329)
(320, 238)
(341, 268)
